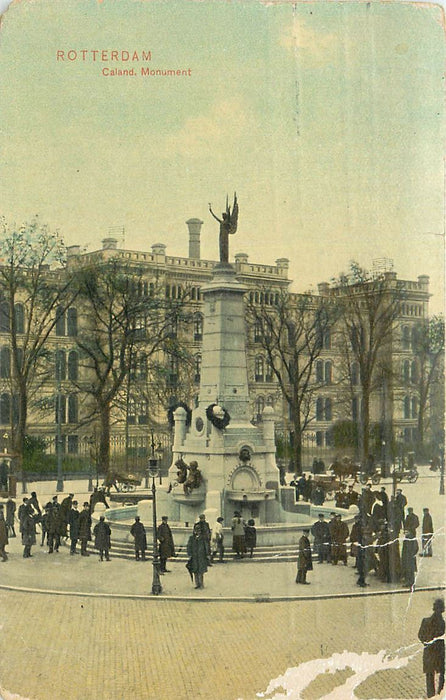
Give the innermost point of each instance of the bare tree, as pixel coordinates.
(369, 306)
(35, 291)
(428, 349)
(290, 330)
(125, 321)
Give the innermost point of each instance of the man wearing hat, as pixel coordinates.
(85, 528)
(167, 546)
(304, 560)
(73, 522)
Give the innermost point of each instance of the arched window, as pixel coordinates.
(406, 407)
(5, 362)
(259, 368)
(72, 408)
(319, 438)
(197, 368)
(4, 317)
(61, 365)
(414, 337)
(406, 371)
(167, 291)
(414, 403)
(19, 313)
(73, 365)
(413, 372)
(355, 374)
(328, 372)
(198, 327)
(405, 338)
(327, 409)
(270, 400)
(5, 409)
(319, 371)
(72, 322)
(60, 321)
(320, 409)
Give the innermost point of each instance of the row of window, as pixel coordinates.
(411, 309)
(66, 320)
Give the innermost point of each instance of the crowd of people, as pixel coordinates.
(373, 540)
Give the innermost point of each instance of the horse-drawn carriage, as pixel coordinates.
(346, 467)
(121, 482)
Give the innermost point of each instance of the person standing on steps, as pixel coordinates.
(250, 537)
(102, 535)
(217, 539)
(138, 532)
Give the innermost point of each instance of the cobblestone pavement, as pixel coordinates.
(161, 648)
(54, 647)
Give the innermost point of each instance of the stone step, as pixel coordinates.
(125, 550)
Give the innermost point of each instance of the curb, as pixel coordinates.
(255, 598)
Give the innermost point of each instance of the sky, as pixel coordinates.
(326, 118)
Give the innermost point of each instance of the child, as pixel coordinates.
(250, 537)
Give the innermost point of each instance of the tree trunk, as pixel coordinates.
(104, 439)
(19, 431)
(365, 427)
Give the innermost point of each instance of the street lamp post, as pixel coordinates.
(441, 492)
(153, 471)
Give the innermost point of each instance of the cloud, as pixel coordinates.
(226, 123)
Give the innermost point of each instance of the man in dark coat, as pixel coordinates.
(85, 528)
(366, 500)
(10, 516)
(321, 534)
(431, 630)
(401, 502)
(98, 496)
(52, 510)
(395, 520)
(138, 532)
(198, 553)
(3, 475)
(304, 560)
(409, 558)
(318, 495)
(166, 543)
(3, 535)
(427, 530)
(102, 535)
(412, 521)
(73, 522)
(28, 532)
(64, 511)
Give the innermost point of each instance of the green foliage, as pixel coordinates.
(344, 433)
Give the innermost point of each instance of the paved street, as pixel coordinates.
(114, 647)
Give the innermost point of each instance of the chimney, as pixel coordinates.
(109, 244)
(423, 282)
(323, 288)
(194, 226)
